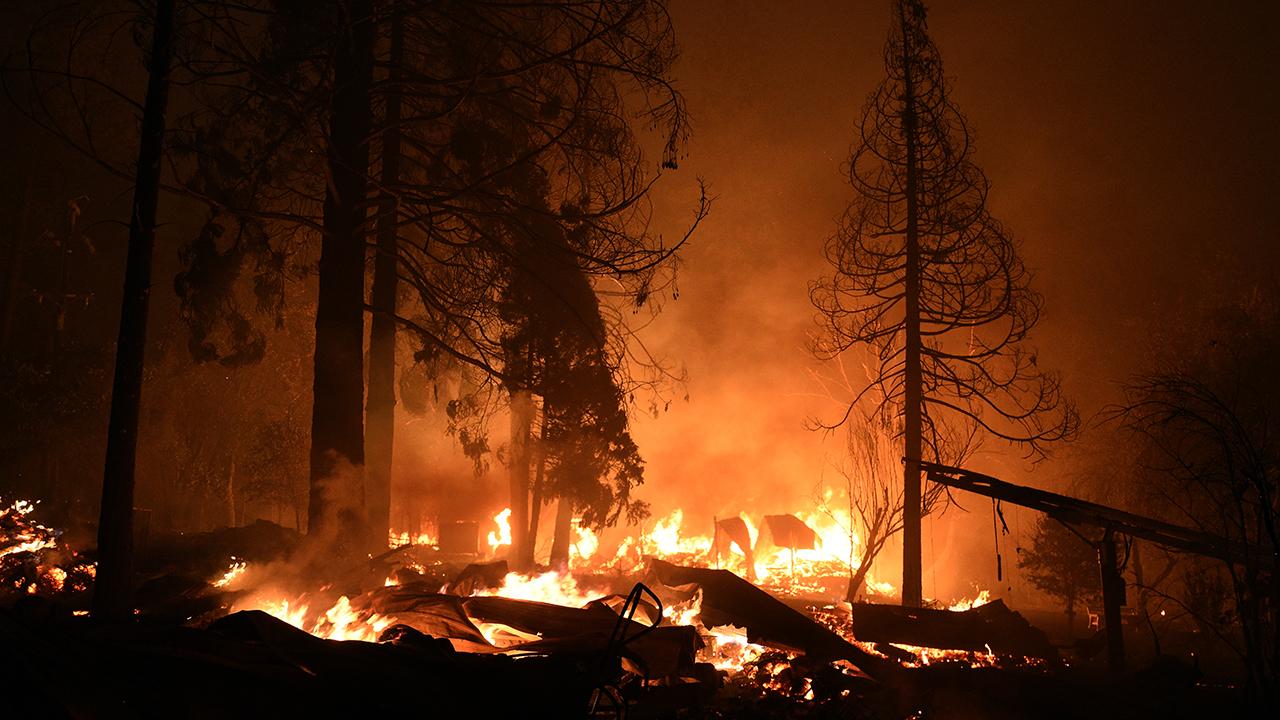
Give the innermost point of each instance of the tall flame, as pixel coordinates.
(503, 534)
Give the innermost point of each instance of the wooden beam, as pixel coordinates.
(1077, 511)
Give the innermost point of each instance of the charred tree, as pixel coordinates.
(873, 489)
(337, 416)
(518, 473)
(113, 590)
(381, 409)
(929, 280)
(561, 536)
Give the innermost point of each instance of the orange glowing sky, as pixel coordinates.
(1131, 149)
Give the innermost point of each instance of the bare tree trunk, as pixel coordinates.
(113, 590)
(518, 475)
(535, 506)
(564, 528)
(380, 412)
(857, 581)
(337, 416)
(912, 571)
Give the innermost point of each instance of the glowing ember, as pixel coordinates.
(503, 534)
(20, 535)
(25, 563)
(927, 656)
(727, 648)
(56, 576)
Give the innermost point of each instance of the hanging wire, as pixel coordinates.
(997, 524)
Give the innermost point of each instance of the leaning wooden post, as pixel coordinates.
(1112, 599)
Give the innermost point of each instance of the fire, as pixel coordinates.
(233, 573)
(56, 576)
(666, 540)
(887, 589)
(25, 564)
(402, 538)
(815, 571)
(585, 546)
(339, 622)
(549, 587)
(982, 598)
(685, 613)
(728, 649)
(782, 570)
(503, 535)
(503, 636)
(19, 535)
(927, 656)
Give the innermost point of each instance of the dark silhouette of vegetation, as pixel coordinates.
(1062, 563)
(1203, 424)
(284, 133)
(113, 589)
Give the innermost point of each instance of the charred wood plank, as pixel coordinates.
(729, 600)
(991, 626)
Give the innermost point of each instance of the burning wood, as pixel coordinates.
(32, 560)
(710, 628)
(991, 628)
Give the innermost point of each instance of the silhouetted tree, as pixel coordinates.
(536, 148)
(113, 590)
(558, 371)
(337, 410)
(1204, 423)
(925, 276)
(381, 404)
(873, 489)
(1063, 564)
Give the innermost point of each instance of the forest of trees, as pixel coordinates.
(247, 243)
(479, 166)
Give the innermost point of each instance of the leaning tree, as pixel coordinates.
(927, 278)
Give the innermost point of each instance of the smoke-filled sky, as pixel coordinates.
(1132, 148)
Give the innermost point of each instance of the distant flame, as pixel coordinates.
(982, 598)
(585, 546)
(503, 535)
(402, 538)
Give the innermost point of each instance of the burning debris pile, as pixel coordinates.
(668, 635)
(32, 560)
